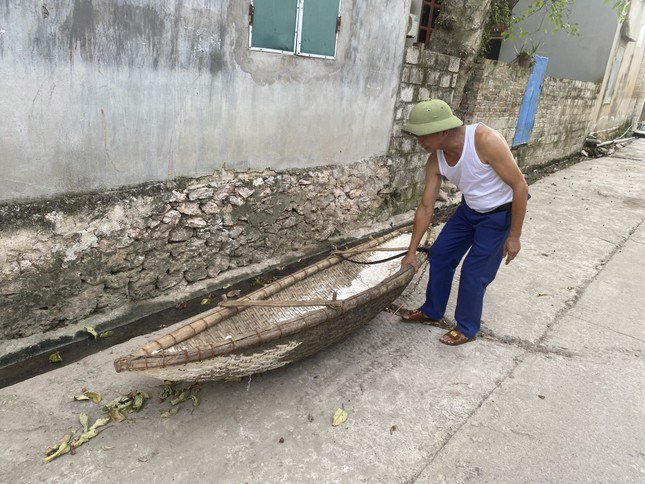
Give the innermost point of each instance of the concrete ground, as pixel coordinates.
(553, 392)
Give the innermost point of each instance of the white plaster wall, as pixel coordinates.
(104, 93)
(627, 97)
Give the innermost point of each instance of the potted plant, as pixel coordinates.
(524, 56)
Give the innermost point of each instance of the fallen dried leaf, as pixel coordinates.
(169, 413)
(540, 294)
(55, 358)
(138, 399)
(63, 448)
(92, 331)
(85, 421)
(234, 293)
(340, 416)
(106, 334)
(541, 397)
(205, 301)
(116, 415)
(167, 391)
(393, 428)
(183, 396)
(90, 433)
(95, 397)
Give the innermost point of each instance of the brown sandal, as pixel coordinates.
(454, 338)
(416, 316)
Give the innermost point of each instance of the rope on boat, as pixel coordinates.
(402, 254)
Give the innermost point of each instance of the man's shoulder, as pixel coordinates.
(487, 137)
(484, 132)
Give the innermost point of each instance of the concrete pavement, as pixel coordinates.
(564, 322)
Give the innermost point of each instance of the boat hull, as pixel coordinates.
(285, 350)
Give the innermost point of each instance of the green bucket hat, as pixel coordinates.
(431, 116)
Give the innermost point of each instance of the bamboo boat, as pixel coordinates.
(283, 322)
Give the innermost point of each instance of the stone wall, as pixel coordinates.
(494, 96)
(425, 75)
(65, 259)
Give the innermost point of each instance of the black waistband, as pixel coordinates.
(502, 208)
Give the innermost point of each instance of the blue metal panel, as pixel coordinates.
(526, 120)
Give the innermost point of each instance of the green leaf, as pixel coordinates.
(106, 334)
(92, 331)
(55, 358)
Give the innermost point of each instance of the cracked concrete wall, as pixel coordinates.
(104, 93)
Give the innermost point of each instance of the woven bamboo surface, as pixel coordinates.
(239, 341)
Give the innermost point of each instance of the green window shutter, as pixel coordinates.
(274, 24)
(318, 33)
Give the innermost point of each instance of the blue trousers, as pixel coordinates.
(485, 235)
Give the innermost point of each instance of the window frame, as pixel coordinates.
(297, 39)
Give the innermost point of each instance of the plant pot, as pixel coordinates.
(524, 59)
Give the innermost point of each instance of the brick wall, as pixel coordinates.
(561, 121)
(494, 96)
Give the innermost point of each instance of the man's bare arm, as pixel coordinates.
(493, 149)
(425, 211)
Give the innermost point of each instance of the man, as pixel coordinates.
(488, 221)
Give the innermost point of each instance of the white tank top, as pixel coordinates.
(482, 187)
